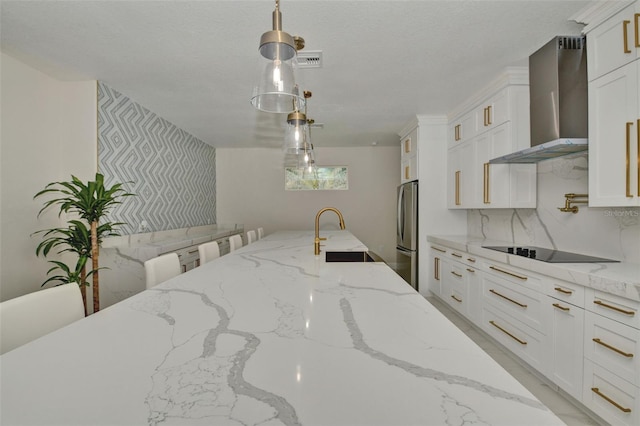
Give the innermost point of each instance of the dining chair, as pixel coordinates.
(208, 251)
(161, 268)
(260, 233)
(251, 236)
(235, 242)
(26, 318)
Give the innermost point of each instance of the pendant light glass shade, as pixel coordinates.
(296, 133)
(276, 89)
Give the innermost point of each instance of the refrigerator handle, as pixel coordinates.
(400, 216)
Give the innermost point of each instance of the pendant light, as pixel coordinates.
(296, 133)
(276, 89)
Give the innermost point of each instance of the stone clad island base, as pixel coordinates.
(267, 335)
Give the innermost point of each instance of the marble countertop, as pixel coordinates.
(148, 245)
(267, 335)
(619, 278)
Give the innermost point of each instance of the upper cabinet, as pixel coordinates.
(409, 156)
(614, 43)
(495, 124)
(614, 110)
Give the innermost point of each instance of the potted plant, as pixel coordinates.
(91, 201)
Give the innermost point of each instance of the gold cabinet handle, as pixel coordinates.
(522, 277)
(484, 111)
(507, 298)
(562, 290)
(471, 270)
(485, 176)
(407, 175)
(436, 268)
(458, 188)
(613, 348)
(522, 342)
(456, 274)
(625, 41)
(407, 145)
(636, 17)
(456, 299)
(489, 122)
(192, 251)
(438, 249)
(456, 255)
(615, 308)
(628, 162)
(557, 305)
(610, 401)
(456, 132)
(471, 259)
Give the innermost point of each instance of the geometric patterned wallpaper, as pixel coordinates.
(172, 173)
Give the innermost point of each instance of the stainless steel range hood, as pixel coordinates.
(558, 101)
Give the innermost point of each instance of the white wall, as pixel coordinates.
(250, 190)
(49, 131)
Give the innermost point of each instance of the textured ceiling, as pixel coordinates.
(193, 62)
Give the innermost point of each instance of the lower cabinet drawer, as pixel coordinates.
(613, 345)
(609, 396)
(521, 339)
(518, 301)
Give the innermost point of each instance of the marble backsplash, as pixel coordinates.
(607, 232)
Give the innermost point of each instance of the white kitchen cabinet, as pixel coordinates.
(611, 349)
(409, 156)
(461, 183)
(614, 138)
(614, 110)
(614, 42)
(462, 129)
(436, 255)
(502, 119)
(564, 314)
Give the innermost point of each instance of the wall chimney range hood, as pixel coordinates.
(558, 101)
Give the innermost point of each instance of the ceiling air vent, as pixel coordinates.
(310, 59)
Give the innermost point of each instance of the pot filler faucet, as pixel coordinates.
(316, 243)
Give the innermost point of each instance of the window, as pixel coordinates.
(300, 179)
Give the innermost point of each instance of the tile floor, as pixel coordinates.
(556, 402)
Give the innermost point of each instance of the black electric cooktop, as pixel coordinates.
(549, 255)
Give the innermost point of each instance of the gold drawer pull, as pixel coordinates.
(628, 162)
(471, 259)
(456, 274)
(625, 41)
(456, 255)
(456, 299)
(438, 249)
(471, 270)
(615, 308)
(192, 251)
(562, 290)
(600, 342)
(637, 28)
(506, 298)
(610, 401)
(457, 192)
(522, 342)
(436, 268)
(522, 277)
(560, 307)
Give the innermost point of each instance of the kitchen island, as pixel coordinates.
(267, 335)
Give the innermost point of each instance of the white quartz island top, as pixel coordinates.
(267, 335)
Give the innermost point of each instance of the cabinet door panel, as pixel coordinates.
(613, 149)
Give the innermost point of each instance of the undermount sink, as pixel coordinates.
(351, 256)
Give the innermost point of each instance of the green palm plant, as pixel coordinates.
(90, 201)
(75, 239)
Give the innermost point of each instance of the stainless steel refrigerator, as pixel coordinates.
(407, 233)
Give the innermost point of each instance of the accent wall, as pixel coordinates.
(172, 173)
